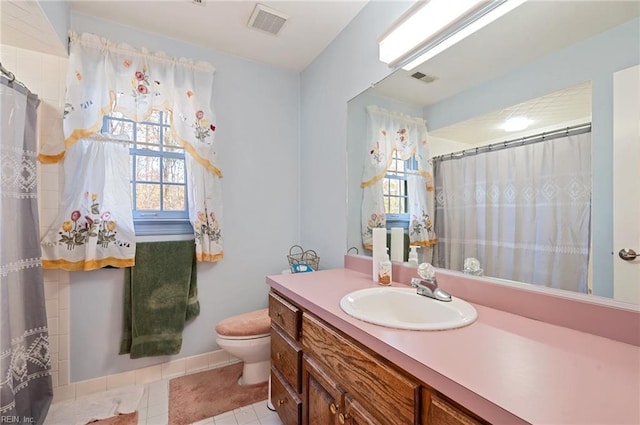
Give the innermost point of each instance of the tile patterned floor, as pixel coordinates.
(154, 410)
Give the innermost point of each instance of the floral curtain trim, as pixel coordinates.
(94, 227)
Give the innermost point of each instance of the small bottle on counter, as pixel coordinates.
(384, 270)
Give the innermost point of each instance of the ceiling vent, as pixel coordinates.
(198, 2)
(424, 77)
(267, 19)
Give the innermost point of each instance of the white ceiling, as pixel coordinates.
(566, 107)
(219, 25)
(24, 25)
(222, 25)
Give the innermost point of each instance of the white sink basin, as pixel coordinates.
(403, 308)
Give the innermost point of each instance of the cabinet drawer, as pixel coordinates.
(386, 393)
(285, 315)
(285, 400)
(286, 356)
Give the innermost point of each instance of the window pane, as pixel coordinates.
(147, 168)
(173, 170)
(154, 117)
(173, 198)
(394, 187)
(148, 134)
(401, 165)
(169, 141)
(147, 196)
(402, 205)
(166, 116)
(394, 205)
(120, 128)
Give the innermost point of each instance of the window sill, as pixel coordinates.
(161, 227)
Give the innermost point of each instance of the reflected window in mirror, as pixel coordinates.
(395, 191)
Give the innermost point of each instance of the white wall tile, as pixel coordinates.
(51, 290)
(64, 347)
(54, 362)
(53, 343)
(91, 386)
(174, 368)
(64, 392)
(148, 374)
(9, 56)
(218, 358)
(52, 308)
(64, 322)
(63, 372)
(63, 295)
(199, 362)
(121, 379)
(52, 325)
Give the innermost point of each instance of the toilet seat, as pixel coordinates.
(252, 325)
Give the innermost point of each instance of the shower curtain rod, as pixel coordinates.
(10, 75)
(535, 138)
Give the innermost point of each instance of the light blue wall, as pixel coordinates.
(595, 60)
(257, 109)
(348, 66)
(356, 154)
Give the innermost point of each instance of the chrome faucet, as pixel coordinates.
(427, 286)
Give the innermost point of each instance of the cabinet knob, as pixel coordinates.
(342, 417)
(278, 314)
(333, 408)
(279, 355)
(281, 402)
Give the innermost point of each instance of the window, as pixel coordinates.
(395, 191)
(158, 174)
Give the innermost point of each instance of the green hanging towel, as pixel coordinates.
(160, 295)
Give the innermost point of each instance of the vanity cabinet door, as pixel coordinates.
(355, 414)
(322, 397)
(377, 385)
(438, 411)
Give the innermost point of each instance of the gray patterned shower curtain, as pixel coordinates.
(25, 360)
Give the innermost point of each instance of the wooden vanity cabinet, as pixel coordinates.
(439, 411)
(322, 377)
(286, 359)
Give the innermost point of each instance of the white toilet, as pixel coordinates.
(247, 336)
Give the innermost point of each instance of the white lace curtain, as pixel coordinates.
(524, 212)
(104, 78)
(389, 132)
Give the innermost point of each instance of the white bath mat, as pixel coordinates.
(95, 406)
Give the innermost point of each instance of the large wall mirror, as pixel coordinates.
(553, 63)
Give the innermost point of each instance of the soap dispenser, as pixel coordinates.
(413, 255)
(384, 269)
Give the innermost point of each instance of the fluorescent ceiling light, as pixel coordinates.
(425, 20)
(436, 25)
(516, 124)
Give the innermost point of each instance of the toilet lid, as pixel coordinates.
(247, 324)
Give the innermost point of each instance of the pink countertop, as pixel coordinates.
(506, 368)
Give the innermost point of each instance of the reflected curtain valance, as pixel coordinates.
(389, 132)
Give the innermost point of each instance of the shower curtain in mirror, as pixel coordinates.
(389, 131)
(25, 362)
(524, 212)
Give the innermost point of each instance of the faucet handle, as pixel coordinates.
(427, 271)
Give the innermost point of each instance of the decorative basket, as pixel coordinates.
(301, 260)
